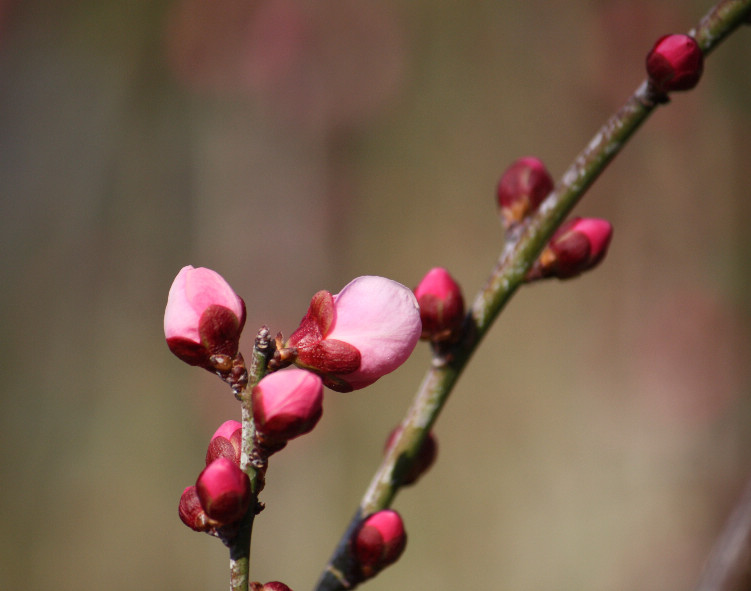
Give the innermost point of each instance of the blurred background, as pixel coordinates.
(599, 438)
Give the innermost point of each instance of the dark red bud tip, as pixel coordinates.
(275, 586)
(224, 491)
(191, 512)
(676, 62)
(577, 246)
(522, 188)
(378, 542)
(423, 461)
(226, 443)
(441, 305)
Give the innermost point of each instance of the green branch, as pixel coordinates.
(521, 250)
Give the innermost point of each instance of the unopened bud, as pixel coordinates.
(224, 491)
(674, 63)
(441, 305)
(191, 512)
(203, 319)
(275, 586)
(577, 246)
(286, 404)
(226, 443)
(272, 586)
(522, 188)
(378, 542)
(426, 455)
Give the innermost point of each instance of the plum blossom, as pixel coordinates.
(360, 334)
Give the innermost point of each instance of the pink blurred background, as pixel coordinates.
(599, 438)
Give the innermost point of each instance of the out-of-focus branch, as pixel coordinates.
(728, 567)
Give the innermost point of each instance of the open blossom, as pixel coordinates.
(360, 334)
(204, 317)
(286, 404)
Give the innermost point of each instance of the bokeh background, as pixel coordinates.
(599, 438)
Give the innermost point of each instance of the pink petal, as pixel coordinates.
(381, 318)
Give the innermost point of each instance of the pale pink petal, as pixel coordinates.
(381, 318)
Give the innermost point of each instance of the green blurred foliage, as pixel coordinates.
(600, 436)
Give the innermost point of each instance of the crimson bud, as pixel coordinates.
(226, 443)
(441, 305)
(378, 542)
(191, 512)
(522, 188)
(577, 246)
(224, 491)
(675, 62)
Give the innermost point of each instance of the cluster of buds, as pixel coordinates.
(521, 189)
(577, 246)
(676, 62)
(377, 542)
(221, 495)
(441, 306)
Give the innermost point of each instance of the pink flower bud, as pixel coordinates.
(522, 188)
(675, 62)
(441, 305)
(203, 317)
(577, 246)
(426, 455)
(378, 542)
(226, 443)
(359, 335)
(272, 586)
(286, 404)
(191, 512)
(224, 491)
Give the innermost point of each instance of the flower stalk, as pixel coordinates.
(523, 246)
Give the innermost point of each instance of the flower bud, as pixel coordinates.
(424, 459)
(275, 586)
(378, 542)
(675, 62)
(441, 305)
(224, 491)
(522, 188)
(191, 512)
(286, 404)
(272, 586)
(226, 443)
(203, 318)
(577, 246)
(358, 335)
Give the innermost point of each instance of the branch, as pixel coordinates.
(521, 250)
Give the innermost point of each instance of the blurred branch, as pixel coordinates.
(728, 567)
(520, 252)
